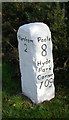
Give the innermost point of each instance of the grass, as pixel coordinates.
(15, 105)
(0, 91)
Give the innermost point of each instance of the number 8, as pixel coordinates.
(44, 52)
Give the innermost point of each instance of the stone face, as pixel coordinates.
(36, 61)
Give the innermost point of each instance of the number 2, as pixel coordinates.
(25, 48)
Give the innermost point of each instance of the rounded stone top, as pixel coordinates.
(34, 28)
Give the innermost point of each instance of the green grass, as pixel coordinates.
(15, 105)
(0, 91)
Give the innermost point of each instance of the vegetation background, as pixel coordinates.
(56, 16)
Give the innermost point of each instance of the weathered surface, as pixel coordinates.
(36, 61)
